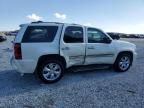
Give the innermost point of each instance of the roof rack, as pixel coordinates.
(37, 22)
(75, 24)
(46, 22)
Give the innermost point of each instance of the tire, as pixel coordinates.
(123, 62)
(51, 71)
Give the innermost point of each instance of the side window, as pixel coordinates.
(73, 34)
(40, 34)
(95, 36)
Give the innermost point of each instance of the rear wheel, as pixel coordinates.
(51, 71)
(123, 62)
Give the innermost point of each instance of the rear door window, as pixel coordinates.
(35, 34)
(73, 34)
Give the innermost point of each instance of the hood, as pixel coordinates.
(122, 43)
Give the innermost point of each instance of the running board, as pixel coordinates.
(88, 68)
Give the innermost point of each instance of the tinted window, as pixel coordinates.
(95, 36)
(73, 34)
(40, 34)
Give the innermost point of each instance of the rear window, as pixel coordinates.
(40, 34)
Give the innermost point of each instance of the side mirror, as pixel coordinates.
(107, 40)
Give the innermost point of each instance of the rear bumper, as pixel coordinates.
(23, 66)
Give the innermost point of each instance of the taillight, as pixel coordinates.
(17, 51)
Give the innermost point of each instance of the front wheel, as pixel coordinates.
(123, 62)
(51, 71)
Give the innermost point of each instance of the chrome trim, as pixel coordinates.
(101, 55)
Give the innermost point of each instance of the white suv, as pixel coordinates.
(49, 48)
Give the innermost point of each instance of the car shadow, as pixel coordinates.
(11, 83)
(97, 74)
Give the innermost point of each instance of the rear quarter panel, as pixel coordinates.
(31, 52)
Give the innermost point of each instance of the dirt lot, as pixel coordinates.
(93, 89)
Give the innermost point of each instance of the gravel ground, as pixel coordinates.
(97, 89)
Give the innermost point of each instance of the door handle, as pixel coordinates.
(66, 48)
(91, 48)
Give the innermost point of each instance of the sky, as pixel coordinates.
(125, 16)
